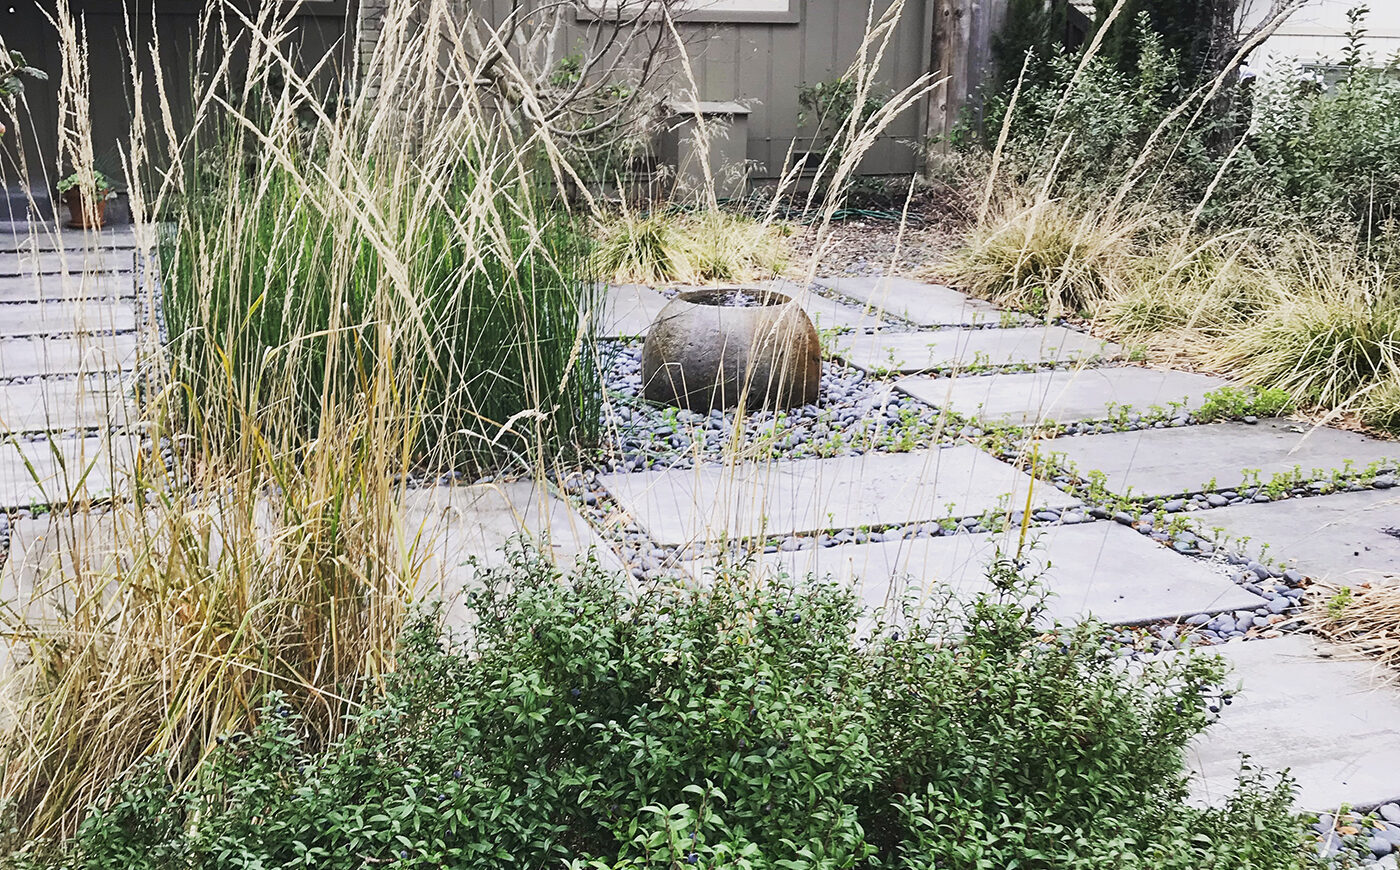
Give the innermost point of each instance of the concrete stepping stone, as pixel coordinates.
(1102, 569)
(37, 288)
(23, 236)
(52, 405)
(447, 526)
(1331, 722)
(58, 318)
(828, 313)
(1022, 398)
(47, 550)
(26, 357)
(1188, 459)
(917, 302)
(77, 262)
(712, 503)
(62, 470)
(629, 310)
(964, 349)
(1345, 538)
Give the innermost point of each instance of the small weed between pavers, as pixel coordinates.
(1234, 403)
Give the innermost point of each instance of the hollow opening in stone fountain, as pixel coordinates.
(735, 297)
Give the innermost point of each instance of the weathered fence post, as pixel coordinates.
(961, 39)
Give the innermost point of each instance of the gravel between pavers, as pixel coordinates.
(855, 414)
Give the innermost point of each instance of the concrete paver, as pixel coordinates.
(62, 469)
(828, 313)
(1345, 538)
(1171, 461)
(71, 262)
(37, 288)
(24, 236)
(26, 357)
(628, 310)
(961, 350)
(61, 318)
(1099, 569)
(917, 302)
(445, 527)
(61, 404)
(1303, 707)
(1021, 398)
(712, 503)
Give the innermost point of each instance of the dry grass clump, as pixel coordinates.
(1047, 259)
(1316, 323)
(665, 247)
(1365, 619)
(642, 249)
(1182, 297)
(1326, 349)
(1320, 323)
(1380, 407)
(158, 627)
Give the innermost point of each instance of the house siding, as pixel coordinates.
(762, 65)
(1316, 34)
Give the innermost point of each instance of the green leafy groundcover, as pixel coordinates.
(585, 725)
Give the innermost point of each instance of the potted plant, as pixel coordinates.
(87, 202)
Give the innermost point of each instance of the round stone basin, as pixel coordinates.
(725, 347)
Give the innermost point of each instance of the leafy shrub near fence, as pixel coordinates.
(747, 726)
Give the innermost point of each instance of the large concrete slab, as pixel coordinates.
(75, 262)
(1331, 722)
(629, 310)
(1349, 538)
(47, 551)
(22, 236)
(25, 357)
(1100, 569)
(828, 313)
(36, 288)
(960, 350)
(711, 503)
(445, 527)
(64, 404)
(1022, 398)
(915, 301)
(63, 470)
(60, 318)
(1168, 461)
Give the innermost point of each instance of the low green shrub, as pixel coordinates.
(745, 725)
(1323, 151)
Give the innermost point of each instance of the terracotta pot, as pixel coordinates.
(82, 216)
(715, 348)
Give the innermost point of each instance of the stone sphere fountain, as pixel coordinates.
(719, 348)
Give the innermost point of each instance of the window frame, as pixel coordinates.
(598, 10)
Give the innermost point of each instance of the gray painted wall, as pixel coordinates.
(762, 64)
